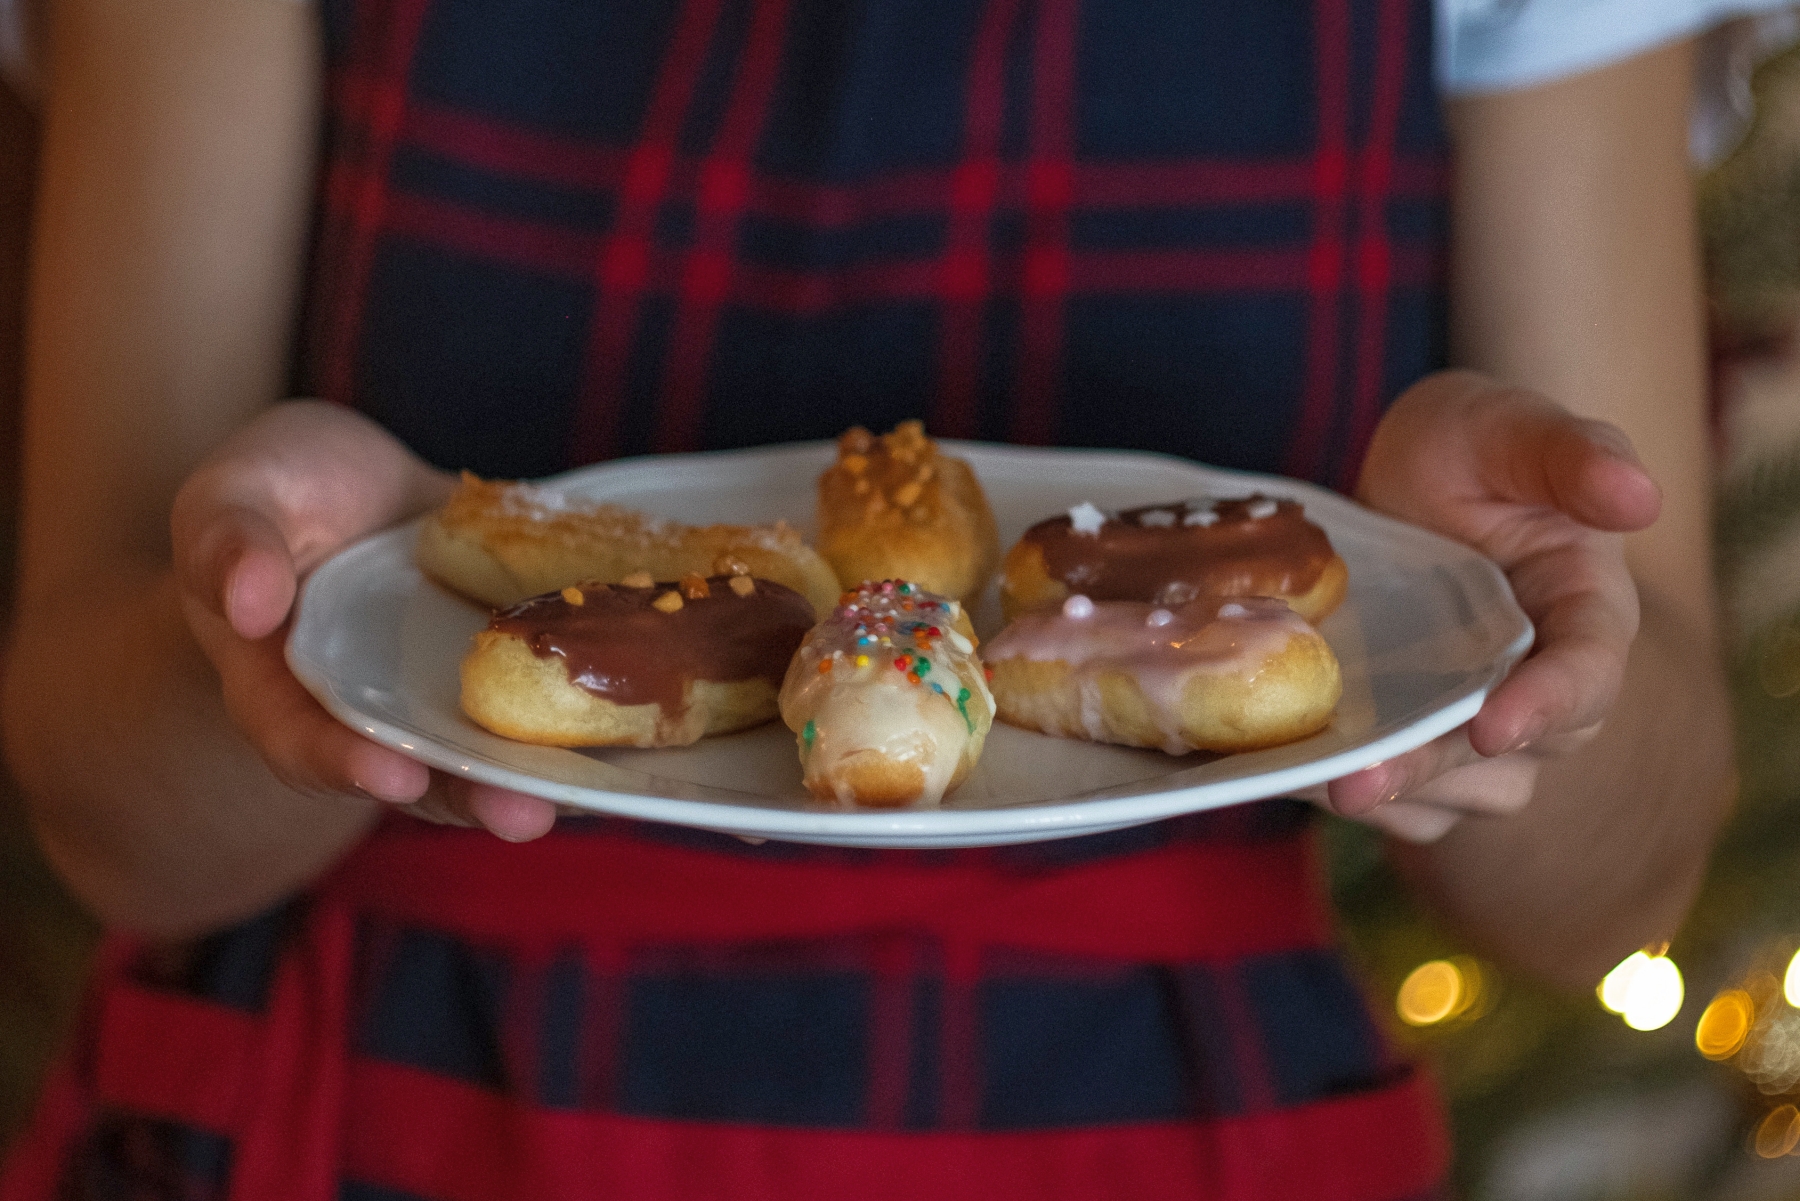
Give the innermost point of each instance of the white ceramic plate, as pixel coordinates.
(1428, 628)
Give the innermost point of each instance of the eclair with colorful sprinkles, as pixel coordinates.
(888, 699)
(636, 663)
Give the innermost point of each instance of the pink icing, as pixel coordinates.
(1207, 635)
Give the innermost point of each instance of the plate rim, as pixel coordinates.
(925, 827)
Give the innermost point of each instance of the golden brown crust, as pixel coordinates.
(1026, 584)
(514, 693)
(500, 542)
(894, 508)
(1292, 695)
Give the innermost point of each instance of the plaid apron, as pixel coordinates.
(554, 231)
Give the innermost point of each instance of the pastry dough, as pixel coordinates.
(1215, 674)
(893, 507)
(888, 699)
(627, 665)
(501, 542)
(1169, 554)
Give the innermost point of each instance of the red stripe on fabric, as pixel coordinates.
(563, 253)
(1186, 902)
(430, 1136)
(384, 106)
(724, 187)
(1046, 273)
(621, 265)
(890, 1033)
(136, 1067)
(1331, 42)
(35, 1163)
(966, 269)
(523, 152)
(959, 1036)
(1374, 258)
(294, 1102)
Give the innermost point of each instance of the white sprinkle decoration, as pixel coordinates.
(1262, 507)
(1201, 517)
(1078, 608)
(1086, 519)
(960, 643)
(1159, 617)
(1157, 519)
(1233, 609)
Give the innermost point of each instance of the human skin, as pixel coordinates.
(171, 504)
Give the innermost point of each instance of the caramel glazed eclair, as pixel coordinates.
(635, 664)
(1170, 554)
(894, 507)
(888, 699)
(1215, 674)
(501, 542)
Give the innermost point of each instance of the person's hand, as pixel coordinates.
(277, 499)
(1546, 495)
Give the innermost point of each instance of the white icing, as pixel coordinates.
(864, 705)
(1201, 517)
(1084, 518)
(1157, 519)
(1262, 507)
(1233, 609)
(1078, 607)
(1161, 617)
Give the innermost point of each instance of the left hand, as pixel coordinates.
(1548, 496)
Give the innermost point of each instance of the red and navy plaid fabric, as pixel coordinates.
(554, 231)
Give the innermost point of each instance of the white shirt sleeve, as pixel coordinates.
(1495, 45)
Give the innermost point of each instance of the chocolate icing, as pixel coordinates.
(618, 645)
(1282, 554)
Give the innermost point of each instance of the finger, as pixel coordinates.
(1568, 683)
(513, 816)
(1361, 793)
(306, 748)
(1412, 821)
(1532, 452)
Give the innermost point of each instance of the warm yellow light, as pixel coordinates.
(1617, 983)
(1654, 995)
(1430, 993)
(1725, 1024)
(1777, 1133)
(1790, 982)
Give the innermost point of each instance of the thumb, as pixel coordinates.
(236, 564)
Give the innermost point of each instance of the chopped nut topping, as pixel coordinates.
(695, 587)
(573, 595)
(856, 441)
(907, 493)
(855, 464)
(877, 502)
(743, 585)
(730, 565)
(668, 602)
(638, 579)
(926, 471)
(920, 513)
(862, 485)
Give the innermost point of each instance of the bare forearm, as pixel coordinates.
(152, 807)
(1608, 855)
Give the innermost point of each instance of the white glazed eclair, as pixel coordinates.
(888, 699)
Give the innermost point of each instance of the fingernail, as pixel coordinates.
(1529, 733)
(1613, 440)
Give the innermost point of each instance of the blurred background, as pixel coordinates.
(1680, 1078)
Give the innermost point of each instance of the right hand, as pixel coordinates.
(277, 499)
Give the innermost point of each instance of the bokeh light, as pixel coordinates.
(1778, 1132)
(1725, 1024)
(1646, 990)
(1430, 993)
(1790, 982)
